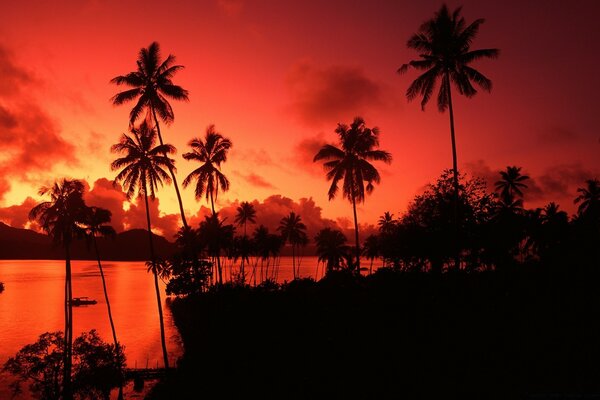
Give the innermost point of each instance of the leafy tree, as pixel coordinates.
(142, 170)
(60, 218)
(350, 163)
(444, 46)
(152, 85)
(589, 198)
(216, 236)
(97, 366)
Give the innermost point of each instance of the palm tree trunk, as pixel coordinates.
(212, 206)
(110, 318)
(156, 288)
(294, 260)
(356, 235)
(68, 356)
(455, 174)
(183, 220)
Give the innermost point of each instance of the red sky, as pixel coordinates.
(276, 77)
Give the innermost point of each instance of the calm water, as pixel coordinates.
(32, 303)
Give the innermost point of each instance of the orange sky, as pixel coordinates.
(277, 76)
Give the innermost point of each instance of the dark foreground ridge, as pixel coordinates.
(529, 332)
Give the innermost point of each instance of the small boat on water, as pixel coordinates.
(82, 301)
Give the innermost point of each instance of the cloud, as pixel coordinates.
(31, 139)
(304, 153)
(330, 94)
(257, 157)
(255, 180)
(17, 215)
(557, 135)
(14, 77)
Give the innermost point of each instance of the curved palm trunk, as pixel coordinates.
(183, 220)
(156, 287)
(294, 260)
(356, 236)
(110, 318)
(68, 350)
(455, 174)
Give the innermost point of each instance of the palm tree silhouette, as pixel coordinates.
(372, 250)
(589, 197)
(293, 231)
(511, 184)
(212, 151)
(444, 45)
(386, 222)
(332, 248)
(245, 213)
(151, 84)
(61, 218)
(216, 236)
(142, 169)
(350, 163)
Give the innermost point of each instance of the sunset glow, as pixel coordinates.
(276, 78)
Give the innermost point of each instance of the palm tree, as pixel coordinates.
(142, 169)
(444, 46)
(332, 248)
(511, 184)
(350, 163)
(245, 213)
(589, 198)
(60, 218)
(372, 249)
(216, 236)
(151, 84)
(212, 151)
(293, 231)
(386, 222)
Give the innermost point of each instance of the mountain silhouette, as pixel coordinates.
(132, 245)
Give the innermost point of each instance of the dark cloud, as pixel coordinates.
(14, 77)
(305, 151)
(331, 94)
(255, 180)
(17, 215)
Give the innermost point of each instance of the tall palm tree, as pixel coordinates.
(511, 183)
(216, 236)
(293, 231)
(245, 213)
(96, 224)
(372, 249)
(61, 218)
(151, 85)
(444, 46)
(589, 197)
(211, 152)
(142, 169)
(350, 163)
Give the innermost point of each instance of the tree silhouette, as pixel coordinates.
(332, 248)
(293, 231)
(245, 213)
(216, 235)
(444, 45)
(372, 249)
(589, 197)
(386, 222)
(510, 186)
(142, 169)
(151, 84)
(211, 152)
(350, 163)
(95, 224)
(60, 218)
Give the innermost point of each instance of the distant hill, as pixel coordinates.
(16, 243)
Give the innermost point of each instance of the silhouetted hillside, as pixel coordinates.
(131, 245)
